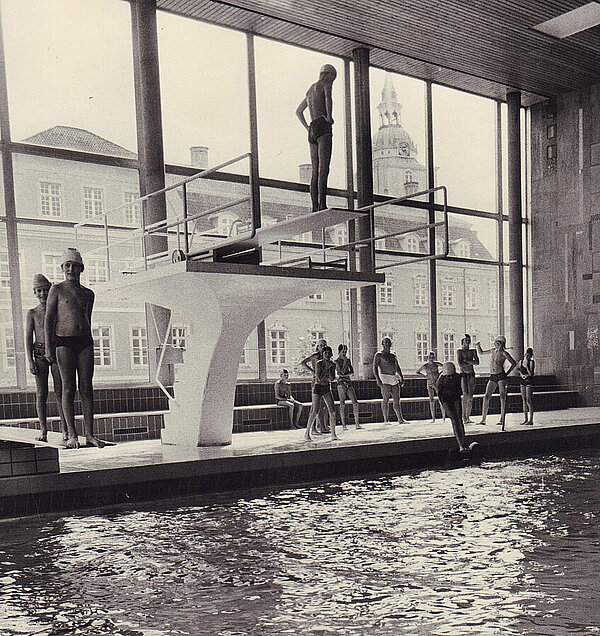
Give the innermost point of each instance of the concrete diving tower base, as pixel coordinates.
(222, 303)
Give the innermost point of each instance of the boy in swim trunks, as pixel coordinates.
(527, 371)
(69, 342)
(321, 392)
(431, 370)
(309, 364)
(467, 359)
(38, 365)
(345, 388)
(449, 386)
(284, 397)
(389, 378)
(498, 377)
(319, 102)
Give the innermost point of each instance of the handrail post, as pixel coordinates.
(186, 240)
(107, 247)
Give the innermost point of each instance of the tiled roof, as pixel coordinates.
(78, 139)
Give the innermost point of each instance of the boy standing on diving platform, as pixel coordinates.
(319, 102)
(69, 342)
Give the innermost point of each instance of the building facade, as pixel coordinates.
(54, 195)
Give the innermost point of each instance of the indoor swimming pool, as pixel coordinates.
(505, 548)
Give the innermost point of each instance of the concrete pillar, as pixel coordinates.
(254, 178)
(515, 228)
(432, 265)
(151, 162)
(364, 187)
(12, 239)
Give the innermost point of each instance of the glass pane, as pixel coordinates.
(398, 125)
(403, 314)
(8, 376)
(470, 236)
(70, 74)
(467, 303)
(403, 228)
(283, 75)
(204, 92)
(282, 205)
(57, 194)
(465, 148)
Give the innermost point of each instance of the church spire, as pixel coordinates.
(389, 108)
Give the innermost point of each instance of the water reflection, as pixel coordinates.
(507, 548)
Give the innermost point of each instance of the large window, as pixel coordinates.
(4, 274)
(449, 343)
(200, 113)
(386, 293)
(139, 347)
(69, 68)
(93, 202)
(51, 267)
(102, 346)
(422, 344)
(283, 75)
(50, 201)
(278, 346)
(464, 148)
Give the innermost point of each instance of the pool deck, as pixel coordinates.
(147, 470)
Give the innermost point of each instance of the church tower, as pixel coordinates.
(396, 169)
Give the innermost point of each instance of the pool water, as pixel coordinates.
(505, 548)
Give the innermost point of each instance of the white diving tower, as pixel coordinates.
(223, 302)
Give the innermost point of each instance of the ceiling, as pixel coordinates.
(486, 47)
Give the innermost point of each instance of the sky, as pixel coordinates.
(69, 62)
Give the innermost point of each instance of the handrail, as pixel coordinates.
(173, 186)
(162, 226)
(365, 242)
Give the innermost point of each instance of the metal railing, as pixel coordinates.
(162, 227)
(367, 242)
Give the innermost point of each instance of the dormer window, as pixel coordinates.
(411, 243)
(463, 249)
(408, 176)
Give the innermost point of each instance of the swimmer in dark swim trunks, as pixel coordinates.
(527, 371)
(345, 371)
(498, 377)
(321, 391)
(467, 359)
(69, 342)
(320, 106)
(38, 365)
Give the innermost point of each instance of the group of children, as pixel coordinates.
(453, 389)
(456, 394)
(59, 341)
(324, 371)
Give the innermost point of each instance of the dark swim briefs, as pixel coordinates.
(39, 351)
(322, 389)
(318, 128)
(77, 344)
(526, 381)
(497, 377)
(468, 375)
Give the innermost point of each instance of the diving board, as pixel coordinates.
(285, 230)
(223, 303)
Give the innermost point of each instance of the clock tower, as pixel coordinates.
(396, 168)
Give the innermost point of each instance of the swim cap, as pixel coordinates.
(39, 280)
(328, 68)
(501, 339)
(71, 254)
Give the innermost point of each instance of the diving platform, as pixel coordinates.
(284, 230)
(223, 303)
